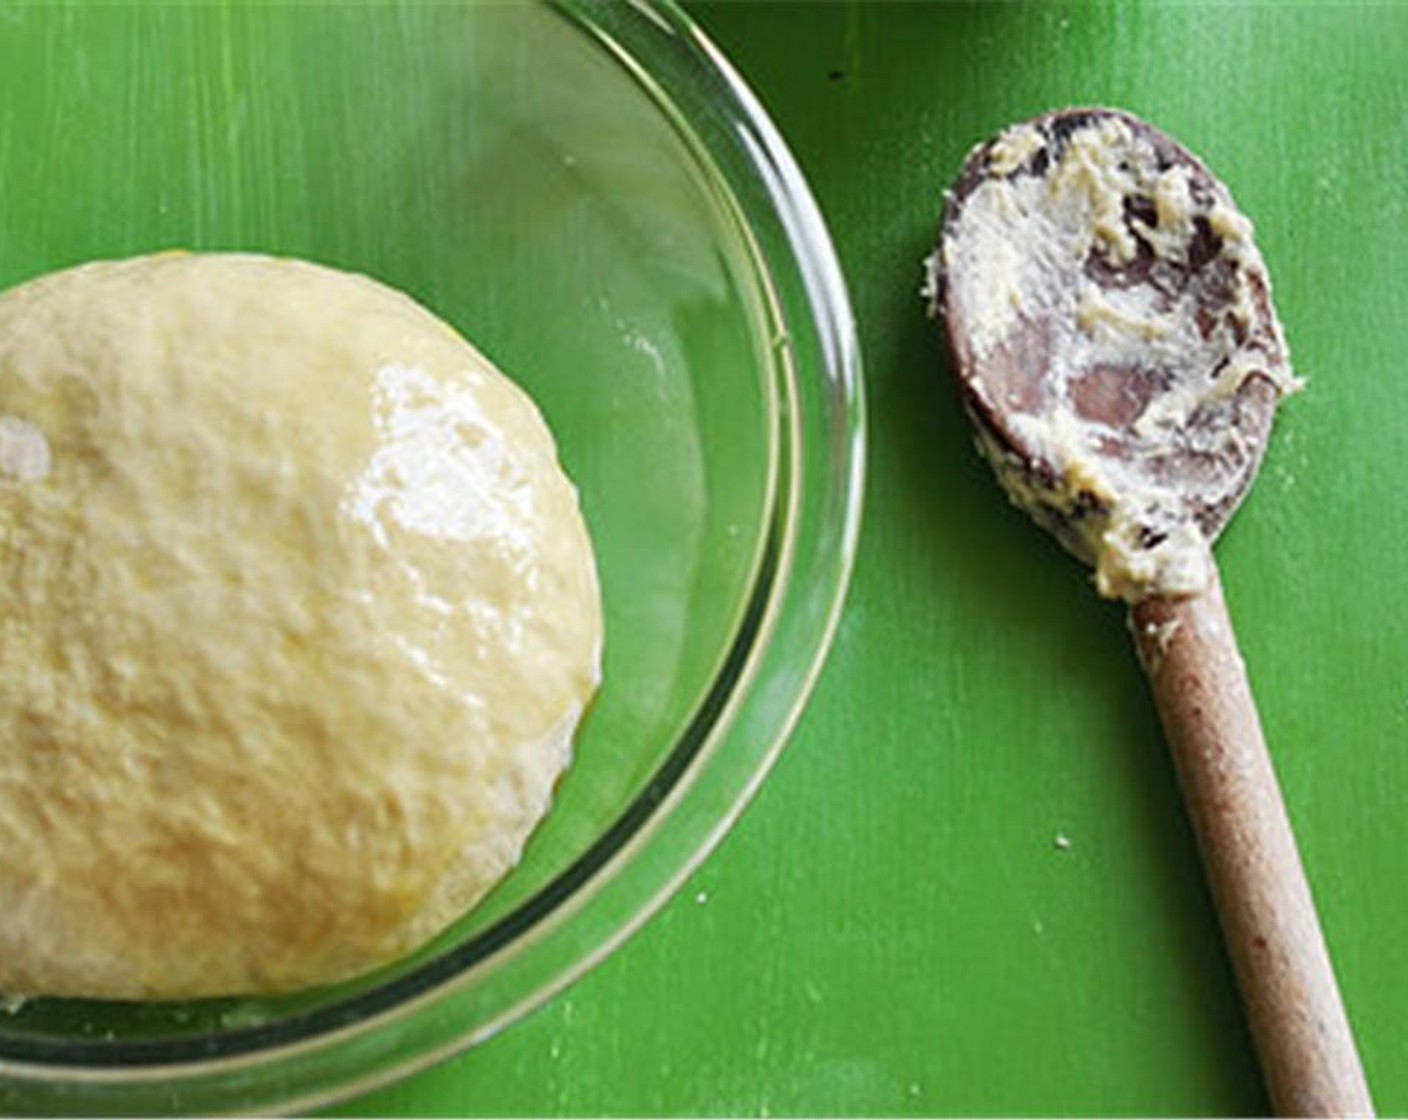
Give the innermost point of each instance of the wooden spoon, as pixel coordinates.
(1112, 336)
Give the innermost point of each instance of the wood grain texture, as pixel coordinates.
(1273, 935)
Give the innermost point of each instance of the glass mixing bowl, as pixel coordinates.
(592, 196)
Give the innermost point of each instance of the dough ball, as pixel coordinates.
(298, 615)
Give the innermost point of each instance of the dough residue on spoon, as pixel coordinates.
(1113, 298)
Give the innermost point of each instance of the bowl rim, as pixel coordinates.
(787, 628)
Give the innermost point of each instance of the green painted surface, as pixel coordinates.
(891, 928)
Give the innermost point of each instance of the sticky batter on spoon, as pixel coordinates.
(1111, 329)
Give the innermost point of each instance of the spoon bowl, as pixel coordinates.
(1113, 339)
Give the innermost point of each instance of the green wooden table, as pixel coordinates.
(897, 925)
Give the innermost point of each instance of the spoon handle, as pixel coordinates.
(1268, 918)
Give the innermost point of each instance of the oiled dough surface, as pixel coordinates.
(297, 617)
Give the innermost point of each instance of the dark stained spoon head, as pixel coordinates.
(1111, 332)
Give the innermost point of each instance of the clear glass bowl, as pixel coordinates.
(588, 192)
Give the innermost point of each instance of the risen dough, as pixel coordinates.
(297, 617)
